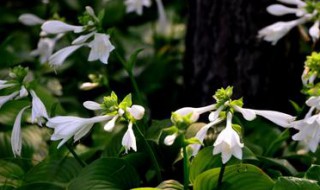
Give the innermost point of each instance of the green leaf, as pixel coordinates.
(155, 130)
(126, 102)
(10, 174)
(293, 183)
(106, 173)
(275, 144)
(280, 164)
(165, 185)
(236, 177)
(313, 173)
(57, 172)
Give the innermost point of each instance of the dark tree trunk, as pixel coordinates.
(222, 49)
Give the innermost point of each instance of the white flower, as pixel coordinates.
(16, 138)
(213, 116)
(281, 119)
(228, 143)
(111, 124)
(5, 99)
(129, 140)
(314, 31)
(23, 92)
(136, 111)
(91, 105)
(60, 56)
(194, 112)
(314, 101)
(30, 19)
(38, 109)
(89, 85)
(309, 131)
(4, 84)
(298, 3)
(201, 134)
(274, 32)
(279, 10)
(137, 5)
(56, 27)
(169, 140)
(100, 48)
(67, 126)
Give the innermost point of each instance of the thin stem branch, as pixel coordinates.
(185, 169)
(221, 176)
(151, 154)
(74, 154)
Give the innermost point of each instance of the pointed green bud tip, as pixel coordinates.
(110, 103)
(19, 73)
(126, 102)
(313, 62)
(222, 95)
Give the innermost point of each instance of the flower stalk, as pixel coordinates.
(185, 168)
(75, 155)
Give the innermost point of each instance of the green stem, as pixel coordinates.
(152, 155)
(82, 163)
(221, 176)
(185, 169)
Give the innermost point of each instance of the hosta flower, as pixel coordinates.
(228, 142)
(57, 27)
(314, 101)
(281, 119)
(129, 140)
(309, 131)
(169, 140)
(314, 31)
(7, 98)
(136, 111)
(100, 48)
(66, 127)
(194, 112)
(38, 109)
(60, 56)
(137, 5)
(30, 19)
(16, 138)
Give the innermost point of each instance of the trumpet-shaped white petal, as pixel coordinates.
(279, 10)
(100, 48)
(30, 19)
(314, 31)
(137, 5)
(274, 32)
(213, 116)
(299, 3)
(67, 126)
(83, 38)
(23, 92)
(45, 49)
(169, 140)
(16, 138)
(38, 109)
(5, 99)
(56, 27)
(4, 84)
(309, 131)
(201, 134)
(314, 101)
(281, 119)
(129, 140)
(136, 111)
(194, 112)
(60, 56)
(228, 143)
(248, 114)
(111, 124)
(90, 105)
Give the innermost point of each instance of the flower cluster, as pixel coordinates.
(228, 142)
(305, 11)
(17, 86)
(66, 127)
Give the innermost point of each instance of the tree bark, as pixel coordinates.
(222, 49)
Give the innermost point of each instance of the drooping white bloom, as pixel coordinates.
(137, 5)
(169, 140)
(213, 116)
(111, 124)
(60, 56)
(38, 109)
(314, 31)
(298, 3)
(279, 10)
(274, 32)
(89, 85)
(314, 101)
(30, 19)
(201, 134)
(91, 105)
(16, 137)
(83, 38)
(309, 131)
(136, 111)
(194, 112)
(56, 27)
(100, 48)
(5, 99)
(67, 126)
(279, 118)
(228, 142)
(129, 140)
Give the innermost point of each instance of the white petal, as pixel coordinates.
(23, 92)
(30, 19)
(279, 10)
(82, 132)
(248, 114)
(16, 137)
(226, 155)
(188, 111)
(6, 85)
(56, 27)
(313, 101)
(314, 31)
(5, 99)
(215, 114)
(136, 111)
(169, 140)
(129, 140)
(163, 22)
(100, 48)
(111, 124)
(83, 38)
(278, 118)
(90, 11)
(299, 3)
(38, 109)
(88, 85)
(59, 57)
(90, 105)
(237, 152)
